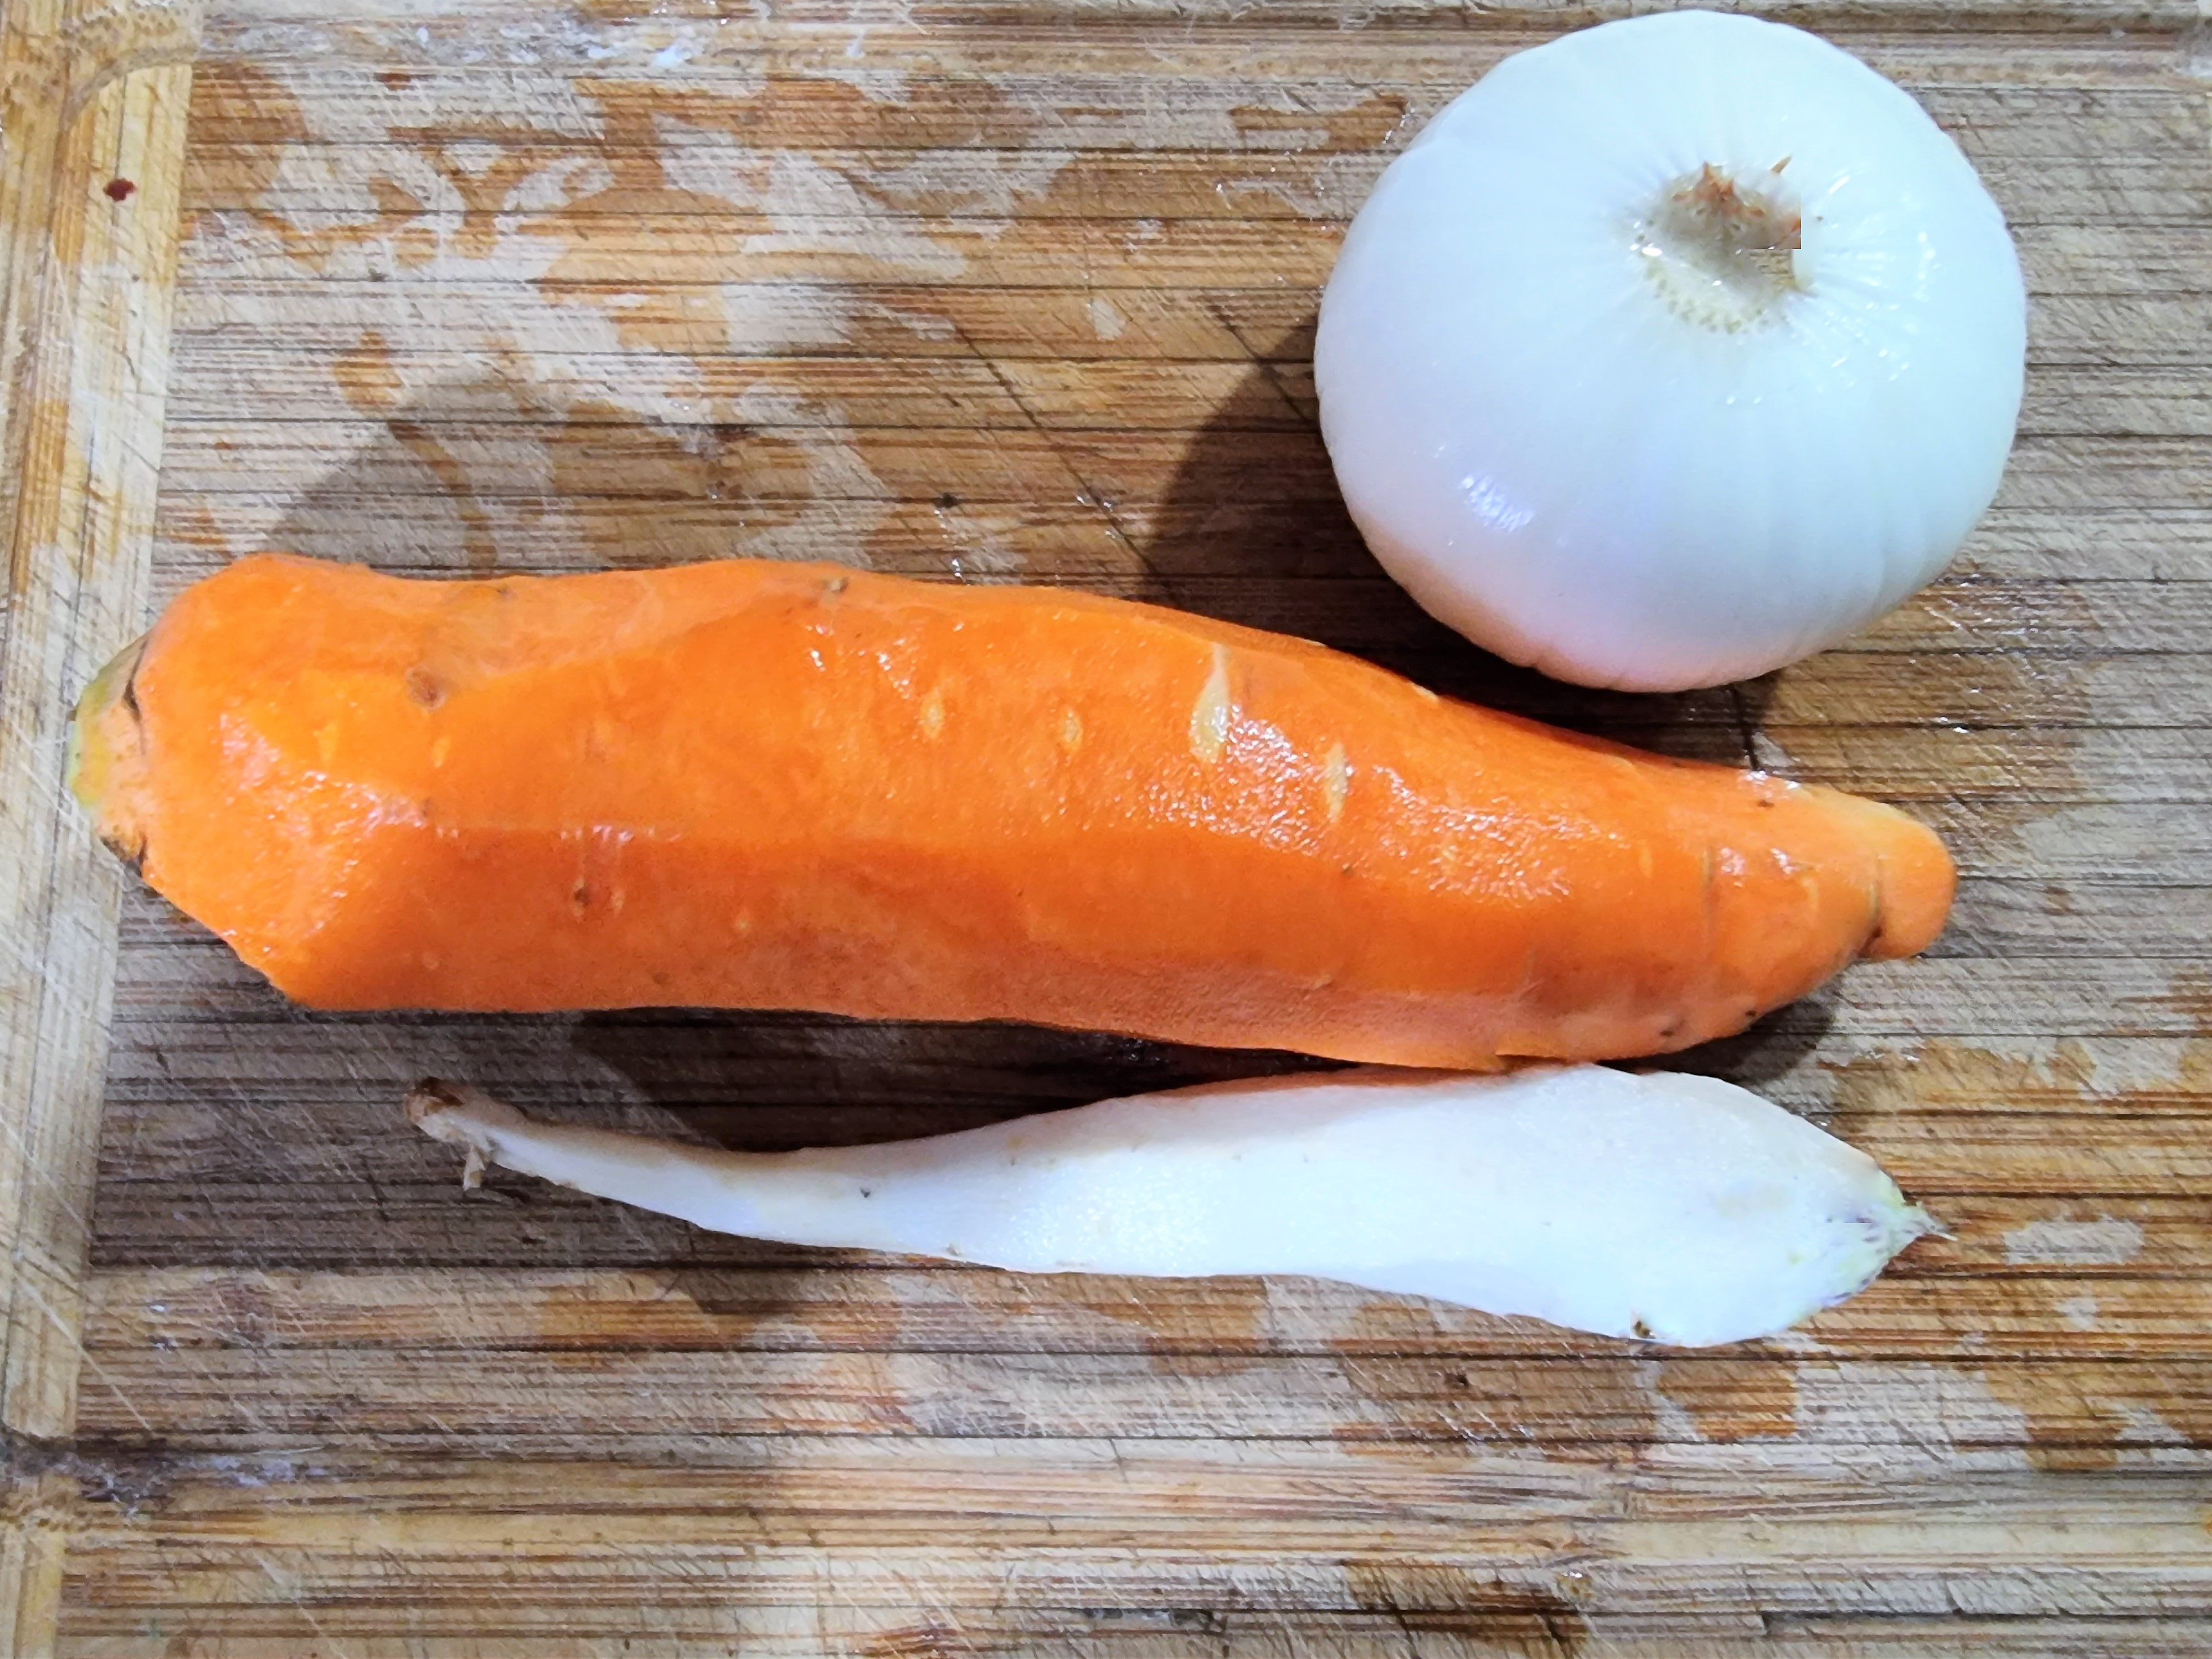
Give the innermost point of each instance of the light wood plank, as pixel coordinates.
(1508, 1627)
(713, 1521)
(2107, 1325)
(87, 95)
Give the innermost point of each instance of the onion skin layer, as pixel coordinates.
(754, 784)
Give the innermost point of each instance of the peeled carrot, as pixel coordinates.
(752, 784)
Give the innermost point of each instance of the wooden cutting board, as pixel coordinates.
(1026, 291)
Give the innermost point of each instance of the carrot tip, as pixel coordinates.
(1918, 881)
(106, 754)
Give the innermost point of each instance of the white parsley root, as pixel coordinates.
(1665, 1206)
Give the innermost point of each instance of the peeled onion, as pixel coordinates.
(1671, 352)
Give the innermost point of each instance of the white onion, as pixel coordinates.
(1590, 407)
(1665, 1206)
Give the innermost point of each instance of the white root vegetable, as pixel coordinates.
(1675, 350)
(1665, 1206)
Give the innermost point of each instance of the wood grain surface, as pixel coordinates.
(93, 105)
(1024, 291)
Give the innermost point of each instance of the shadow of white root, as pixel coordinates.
(1677, 1208)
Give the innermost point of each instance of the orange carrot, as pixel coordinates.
(750, 784)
